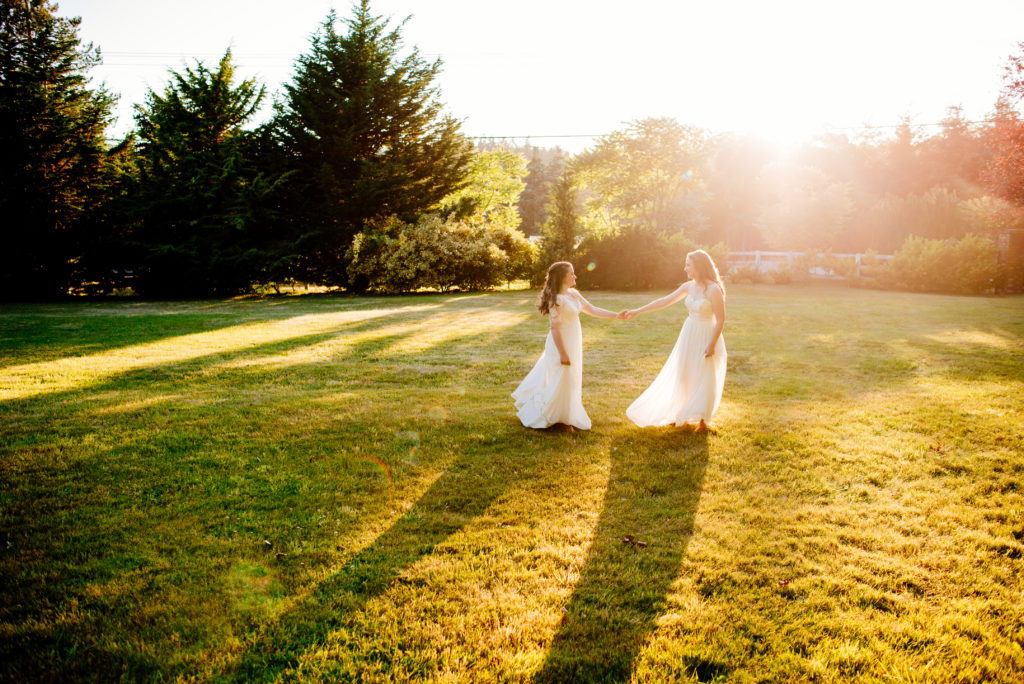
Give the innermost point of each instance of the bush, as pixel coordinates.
(837, 266)
(391, 256)
(638, 259)
(746, 274)
(965, 266)
(782, 275)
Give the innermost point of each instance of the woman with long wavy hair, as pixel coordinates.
(688, 389)
(551, 394)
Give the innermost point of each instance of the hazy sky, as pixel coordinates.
(780, 68)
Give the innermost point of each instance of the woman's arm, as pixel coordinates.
(588, 308)
(662, 302)
(718, 307)
(556, 336)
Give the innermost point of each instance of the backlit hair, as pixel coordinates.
(552, 285)
(705, 269)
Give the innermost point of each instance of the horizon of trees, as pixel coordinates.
(362, 181)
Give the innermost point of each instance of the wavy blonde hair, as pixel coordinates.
(552, 285)
(705, 267)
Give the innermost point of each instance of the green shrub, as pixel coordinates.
(783, 275)
(639, 259)
(843, 267)
(965, 266)
(746, 274)
(391, 256)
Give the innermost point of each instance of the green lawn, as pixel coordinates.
(331, 488)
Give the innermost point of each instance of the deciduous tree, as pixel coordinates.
(650, 176)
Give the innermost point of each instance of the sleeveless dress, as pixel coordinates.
(689, 387)
(552, 393)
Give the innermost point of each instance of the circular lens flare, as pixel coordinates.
(383, 467)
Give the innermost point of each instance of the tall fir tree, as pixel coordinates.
(363, 130)
(562, 227)
(52, 128)
(200, 196)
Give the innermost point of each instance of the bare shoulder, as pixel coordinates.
(682, 289)
(715, 291)
(576, 294)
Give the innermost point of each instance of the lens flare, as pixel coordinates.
(688, 175)
(410, 437)
(591, 266)
(438, 413)
(380, 464)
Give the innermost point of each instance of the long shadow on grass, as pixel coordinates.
(462, 493)
(646, 523)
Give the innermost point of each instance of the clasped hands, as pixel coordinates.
(626, 315)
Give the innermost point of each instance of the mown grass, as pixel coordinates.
(858, 514)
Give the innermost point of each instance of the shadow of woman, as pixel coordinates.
(458, 496)
(643, 531)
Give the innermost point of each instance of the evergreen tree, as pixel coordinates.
(544, 168)
(562, 227)
(363, 130)
(52, 140)
(201, 198)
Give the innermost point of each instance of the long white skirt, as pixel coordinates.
(552, 393)
(689, 387)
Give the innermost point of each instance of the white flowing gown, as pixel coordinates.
(689, 387)
(552, 393)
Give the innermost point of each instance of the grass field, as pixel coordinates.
(332, 488)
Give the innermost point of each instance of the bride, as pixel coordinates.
(551, 394)
(688, 389)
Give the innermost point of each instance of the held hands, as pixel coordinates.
(626, 315)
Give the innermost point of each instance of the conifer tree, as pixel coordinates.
(52, 146)
(562, 227)
(199, 192)
(363, 130)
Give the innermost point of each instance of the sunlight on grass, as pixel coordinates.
(979, 338)
(411, 338)
(337, 489)
(32, 379)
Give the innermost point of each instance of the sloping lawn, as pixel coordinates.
(333, 488)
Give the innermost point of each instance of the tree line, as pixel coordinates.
(361, 181)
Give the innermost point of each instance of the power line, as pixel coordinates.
(516, 137)
(830, 128)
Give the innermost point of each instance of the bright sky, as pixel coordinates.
(784, 69)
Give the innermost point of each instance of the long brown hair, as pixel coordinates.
(705, 268)
(552, 285)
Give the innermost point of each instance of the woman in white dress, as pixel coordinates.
(688, 389)
(551, 394)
